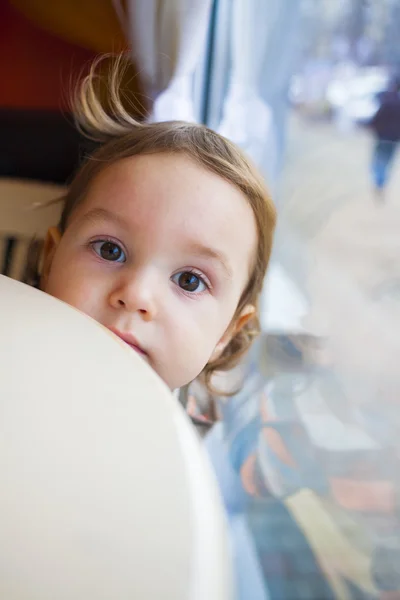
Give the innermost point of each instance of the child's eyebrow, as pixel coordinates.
(102, 214)
(195, 248)
(207, 252)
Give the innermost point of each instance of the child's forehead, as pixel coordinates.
(162, 168)
(167, 185)
(164, 203)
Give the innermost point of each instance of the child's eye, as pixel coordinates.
(189, 282)
(109, 250)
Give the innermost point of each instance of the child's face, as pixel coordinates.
(159, 252)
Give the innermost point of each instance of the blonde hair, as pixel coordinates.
(121, 136)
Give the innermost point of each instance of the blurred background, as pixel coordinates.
(307, 454)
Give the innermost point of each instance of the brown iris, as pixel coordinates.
(188, 281)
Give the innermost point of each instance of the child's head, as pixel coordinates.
(164, 238)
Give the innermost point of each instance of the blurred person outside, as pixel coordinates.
(385, 126)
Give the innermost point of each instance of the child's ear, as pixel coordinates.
(52, 239)
(246, 314)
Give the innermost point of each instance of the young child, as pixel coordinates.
(164, 238)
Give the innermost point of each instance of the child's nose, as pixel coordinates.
(135, 295)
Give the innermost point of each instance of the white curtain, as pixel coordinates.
(168, 39)
(247, 118)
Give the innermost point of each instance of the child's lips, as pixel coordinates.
(129, 339)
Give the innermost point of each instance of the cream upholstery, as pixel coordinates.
(105, 489)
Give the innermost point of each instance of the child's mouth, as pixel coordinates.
(130, 340)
